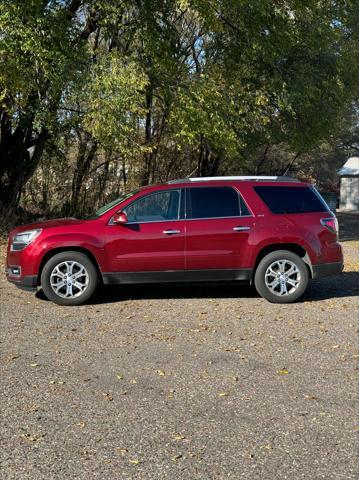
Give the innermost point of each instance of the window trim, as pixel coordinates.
(156, 192)
(239, 196)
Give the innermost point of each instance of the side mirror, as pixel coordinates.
(120, 218)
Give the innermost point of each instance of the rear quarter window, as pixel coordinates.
(291, 199)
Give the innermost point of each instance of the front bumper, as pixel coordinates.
(27, 282)
(327, 269)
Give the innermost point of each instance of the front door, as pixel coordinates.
(153, 239)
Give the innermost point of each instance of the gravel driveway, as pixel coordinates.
(182, 383)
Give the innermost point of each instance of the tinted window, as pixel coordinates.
(108, 206)
(210, 202)
(156, 207)
(291, 199)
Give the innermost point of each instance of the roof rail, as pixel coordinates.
(255, 178)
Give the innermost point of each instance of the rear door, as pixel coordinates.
(219, 228)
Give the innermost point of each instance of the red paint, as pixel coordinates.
(198, 244)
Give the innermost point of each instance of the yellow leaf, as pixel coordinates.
(223, 394)
(34, 364)
(178, 436)
(134, 462)
(161, 373)
(283, 371)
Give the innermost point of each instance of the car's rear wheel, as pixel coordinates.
(281, 277)
(69, 278)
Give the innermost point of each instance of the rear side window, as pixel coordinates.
(214, 202)
(291, 199)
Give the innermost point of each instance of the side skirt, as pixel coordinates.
(178, 276)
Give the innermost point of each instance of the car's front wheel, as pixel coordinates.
(281, 277)
(69, 278)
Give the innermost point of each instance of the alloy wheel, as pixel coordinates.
(282, 277)
(69, 279)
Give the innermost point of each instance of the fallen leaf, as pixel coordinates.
(177, 457)
(283, 371)
(123, 451)
(161, 373)
(267, 447)
(178, 436)
(13, 357)
(311, 397)
(223, 394)
(108, 396)
(34, 364)
(134, 462)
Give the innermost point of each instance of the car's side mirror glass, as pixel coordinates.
(120, 218)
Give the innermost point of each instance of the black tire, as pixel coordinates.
(273, 294)
(89, 280)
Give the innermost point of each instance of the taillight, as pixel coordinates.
(331, 223)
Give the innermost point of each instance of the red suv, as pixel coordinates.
(275, 232)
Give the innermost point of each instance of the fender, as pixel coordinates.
(58, 241)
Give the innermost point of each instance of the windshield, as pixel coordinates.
(109, 205)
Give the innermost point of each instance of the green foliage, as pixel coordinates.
(153, 89)
(39, 56)
(114, 101)
(223, 112)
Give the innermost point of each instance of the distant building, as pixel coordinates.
(349, 184)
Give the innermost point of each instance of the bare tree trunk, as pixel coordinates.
(86, 154)
(208, 161)
(289, 165)
(20, 153)
(262, 159)
(147, 167)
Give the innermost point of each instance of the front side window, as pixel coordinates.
(110, 205)
(215, 202)
(155, 207)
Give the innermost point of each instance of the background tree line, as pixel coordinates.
(99, 96)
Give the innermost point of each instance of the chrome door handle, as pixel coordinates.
(171, 232)
(241, 229)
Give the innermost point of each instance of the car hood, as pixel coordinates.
(58, 222)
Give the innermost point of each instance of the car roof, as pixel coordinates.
(255, 180)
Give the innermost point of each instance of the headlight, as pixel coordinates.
(23, 239)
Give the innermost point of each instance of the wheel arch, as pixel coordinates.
(290, 247)
(54, 251)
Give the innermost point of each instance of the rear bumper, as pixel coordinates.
(327, 269)
(27, 282)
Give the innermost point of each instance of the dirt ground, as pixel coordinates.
(183, 382)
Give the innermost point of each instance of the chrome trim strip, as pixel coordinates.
(221, 218)
(181, 220)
